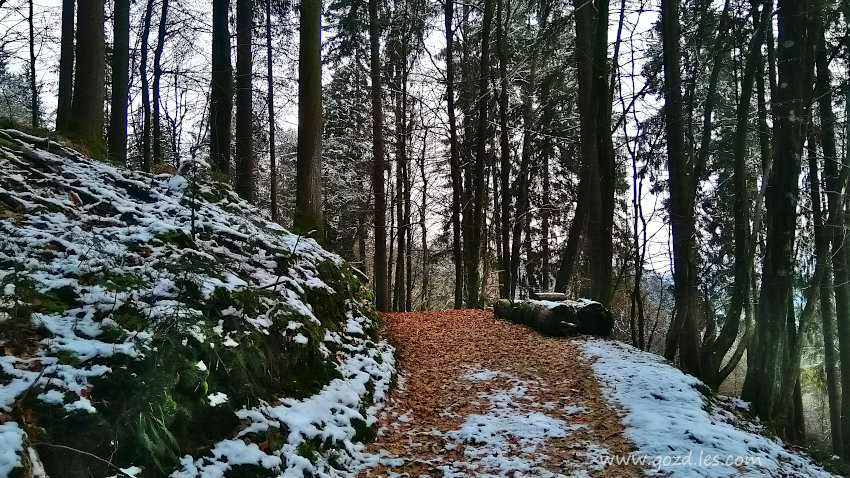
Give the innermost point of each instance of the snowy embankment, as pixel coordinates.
(680, 431)
(155, 325)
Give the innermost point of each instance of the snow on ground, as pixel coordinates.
(72, 225)
(677, 429)
(330, 416)
(506, 439)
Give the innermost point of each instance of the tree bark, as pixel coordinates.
(117, 141)
(89, 81)
(308, 196)
(426, 291)
(221, 94)
(684, 333)
(522, 214)
(505, 274)
(559, 318)
(717, 347)
(66, 67)
(34, 106)
(454, 158)
(157, 76)
(480, 178)
(839, 413)
(272, 143)
(379, 276)
(795, 67)
(244, 103)
(146, 100)
(601, 225)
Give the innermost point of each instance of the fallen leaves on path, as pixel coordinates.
(484, 397)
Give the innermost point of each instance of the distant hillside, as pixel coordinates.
(159, 325)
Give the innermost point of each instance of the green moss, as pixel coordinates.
(129, 317)
(112, 334)
(307, 449)
(66, 357)
(175, 237)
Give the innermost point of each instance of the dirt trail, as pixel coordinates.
(484, 397)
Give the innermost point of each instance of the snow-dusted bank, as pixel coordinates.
(678, 430)
(157, 325)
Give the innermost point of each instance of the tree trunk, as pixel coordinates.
(585, 24)
(87, 105)
(146, 99)
(795, 65)
(221, 89)
(558, 318)
(715, 352)
(454, 158)
(66, 67)
(522, 213)
(544, 217)
(379, 276)
(157, 76)
(117, 141)
(684, 333)
(426, 292)
(475, 243)
(272, 143)
(308, 196)
(839, 414)
(244, 103)
(601, 225)
(33, 84)
(505, 274)
(841, 265)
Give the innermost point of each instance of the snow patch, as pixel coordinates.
(666, 415)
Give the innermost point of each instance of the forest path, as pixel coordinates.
(484, 397)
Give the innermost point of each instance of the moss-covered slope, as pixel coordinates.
(158, 325)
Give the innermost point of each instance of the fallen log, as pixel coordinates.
(558, 318)
(554, 296)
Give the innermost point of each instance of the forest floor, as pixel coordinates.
(484, 397)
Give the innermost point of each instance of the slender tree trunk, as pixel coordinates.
(146, 100)
(454, 158)
(475, 243)
(522, 213)
(467, 100)
(379, 275)
(833, 391)
(426, 292)
(33, 84)
(221, 94)
(684, 333)
(245, 103)
(715, 352)
(157, 76)
(308, 196)
(272, 142)
(839, 414)
(544, 219)
(66, 67)
(120, 82)
(841, 262)
(89, 81)
(794, 59)
(505, 274)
